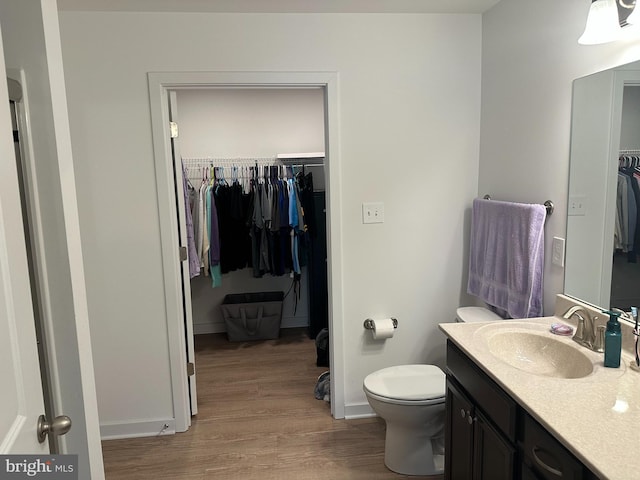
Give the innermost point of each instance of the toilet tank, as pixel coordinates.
(476, 314)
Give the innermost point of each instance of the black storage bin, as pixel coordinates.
(252, 316)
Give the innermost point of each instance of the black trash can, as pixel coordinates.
(322, 348)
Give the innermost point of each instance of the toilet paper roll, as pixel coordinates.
(383, 328)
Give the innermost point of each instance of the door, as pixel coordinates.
(19, 126)
(31, 45)
(459, 426)
(494, 458)
(21, 402)
(184, 261)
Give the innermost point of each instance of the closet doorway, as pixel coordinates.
(238, 131)
(169, 93)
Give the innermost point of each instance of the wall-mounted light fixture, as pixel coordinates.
(603, 25)
(606, 19)
(634, 18)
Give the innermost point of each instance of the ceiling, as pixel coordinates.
(281, 6)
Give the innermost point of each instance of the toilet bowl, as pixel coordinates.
(411, 401)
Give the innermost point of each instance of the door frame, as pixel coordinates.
(176, 160)
(621, 79)
(159, 85)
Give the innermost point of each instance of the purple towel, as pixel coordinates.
(506, 258)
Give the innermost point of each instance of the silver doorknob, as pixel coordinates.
(59, 426)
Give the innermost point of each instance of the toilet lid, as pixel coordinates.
(476, 314)
(407, 382)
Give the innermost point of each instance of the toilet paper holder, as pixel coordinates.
(368, 323)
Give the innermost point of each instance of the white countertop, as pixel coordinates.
(596, 417)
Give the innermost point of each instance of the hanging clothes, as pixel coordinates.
(633, 200)
(293, 223)
(235, 242)
(627, 219)
(214, 239)
(205, 226)
(192, 253)
(204, 256)
(252, 216)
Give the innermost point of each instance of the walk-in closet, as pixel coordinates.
(626, 264)
(242, 154)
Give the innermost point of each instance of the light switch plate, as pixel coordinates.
(373, 212)
(577, 205)
(557, 251)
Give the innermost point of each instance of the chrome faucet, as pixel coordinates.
(585, 333)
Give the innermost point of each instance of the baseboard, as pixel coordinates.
(358, 410)
(287, 322)
(203, 328)
(294, 322)
(149, 428)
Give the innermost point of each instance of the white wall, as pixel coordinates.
(248, 123)
(530, 57)
(409, 108)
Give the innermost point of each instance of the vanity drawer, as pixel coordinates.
(545, 456)
(486, 393)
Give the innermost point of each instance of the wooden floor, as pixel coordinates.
(258, 419)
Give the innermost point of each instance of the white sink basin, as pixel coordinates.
(537, 352)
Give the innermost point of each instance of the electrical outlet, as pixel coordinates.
(557, 251)
(373, 212)
(577, 205)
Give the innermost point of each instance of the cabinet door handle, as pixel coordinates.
(541, 464)
(470, 419)
(463, 413)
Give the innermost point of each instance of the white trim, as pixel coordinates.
(611, 187)
(285, 156)
(168, 217)
(621, 79)
(205, 328)
(176, 161)
(334, 246)
(358, 410)
(80, 322)
(159, 84)
(147, 428)
(220, 327)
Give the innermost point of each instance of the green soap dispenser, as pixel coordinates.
(612, 341)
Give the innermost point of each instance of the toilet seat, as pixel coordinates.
(407, 385)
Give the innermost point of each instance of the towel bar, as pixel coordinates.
(548, 204)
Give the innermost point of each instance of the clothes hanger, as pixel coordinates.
(185, 174)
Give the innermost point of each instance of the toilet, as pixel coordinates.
(411, 401)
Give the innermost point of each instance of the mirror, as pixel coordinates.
(602, 264)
